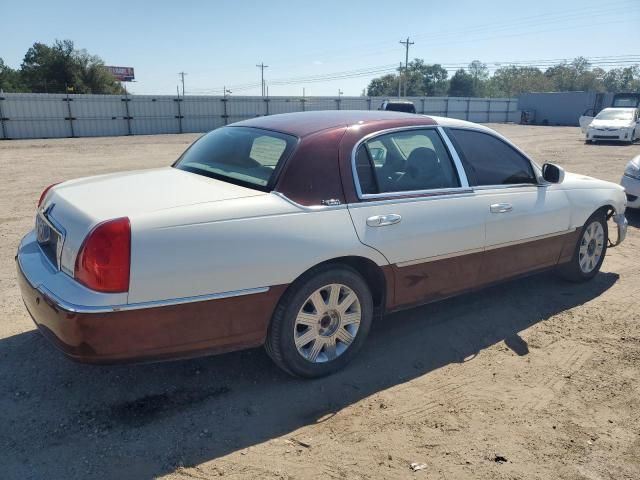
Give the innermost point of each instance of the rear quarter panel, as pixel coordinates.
(235, 245)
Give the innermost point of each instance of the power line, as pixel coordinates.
(611, 8)
(461, 35)
(600, 61)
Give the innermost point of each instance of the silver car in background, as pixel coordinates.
(631, 182)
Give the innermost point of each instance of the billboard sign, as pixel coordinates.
(122, 74)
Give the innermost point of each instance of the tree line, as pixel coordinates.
(58, 68)
(475, 81)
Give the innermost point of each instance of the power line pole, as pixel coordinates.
(262, 66)
(406, 44)
(399, 79)
(182, 74)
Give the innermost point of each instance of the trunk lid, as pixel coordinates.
(76, 206)
(130, 193)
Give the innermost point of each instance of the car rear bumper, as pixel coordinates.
(192, 328)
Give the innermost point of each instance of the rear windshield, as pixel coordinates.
(241, 155)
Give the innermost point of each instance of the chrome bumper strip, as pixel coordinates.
(71, 307)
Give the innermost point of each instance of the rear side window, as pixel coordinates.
(490, 161)
(411, 160)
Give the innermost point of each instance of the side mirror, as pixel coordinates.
(552, 173)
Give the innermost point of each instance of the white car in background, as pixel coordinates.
(613, 124)
(631, 182)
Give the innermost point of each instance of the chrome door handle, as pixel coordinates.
(500, 208)
(383, 220)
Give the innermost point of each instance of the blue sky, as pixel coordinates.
(219, 42)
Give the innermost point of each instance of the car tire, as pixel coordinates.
(590, 250)
(332, 308)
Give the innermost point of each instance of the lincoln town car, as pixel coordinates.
(296, 231)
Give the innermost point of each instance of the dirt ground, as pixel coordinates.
(535, 379)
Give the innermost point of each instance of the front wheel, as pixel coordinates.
(590, 250)
(321, 322)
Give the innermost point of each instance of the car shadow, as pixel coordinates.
(65, 420)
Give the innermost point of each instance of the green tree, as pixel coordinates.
(422, 79)
(625, 79)
(480, 73)
(51, 69)
(513, 80)
(430, 80)
(10, 80)
(461, 84)
(574, 76)
(384, 86)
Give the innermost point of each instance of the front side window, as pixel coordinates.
(409, 160)
(241, 155)
(490, 161)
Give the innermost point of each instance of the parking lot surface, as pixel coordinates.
(536, 378)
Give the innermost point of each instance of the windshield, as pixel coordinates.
(241, 155)
(615, 115)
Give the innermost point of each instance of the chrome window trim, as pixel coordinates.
(418, 197)
(462, 176)
(72, 307)
(510, 185)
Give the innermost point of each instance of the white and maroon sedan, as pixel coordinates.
(292, 230)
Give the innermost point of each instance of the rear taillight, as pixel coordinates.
(44, 194)
(104, 259)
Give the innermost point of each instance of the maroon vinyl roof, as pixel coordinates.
(301, 124)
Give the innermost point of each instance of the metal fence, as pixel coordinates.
(37, 115)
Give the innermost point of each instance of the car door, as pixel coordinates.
(415, 207)
(527, 220)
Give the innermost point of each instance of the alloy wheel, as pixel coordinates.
(327, 323)
(591, 247)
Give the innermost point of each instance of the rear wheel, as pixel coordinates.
(321, 322)
(590, 250)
